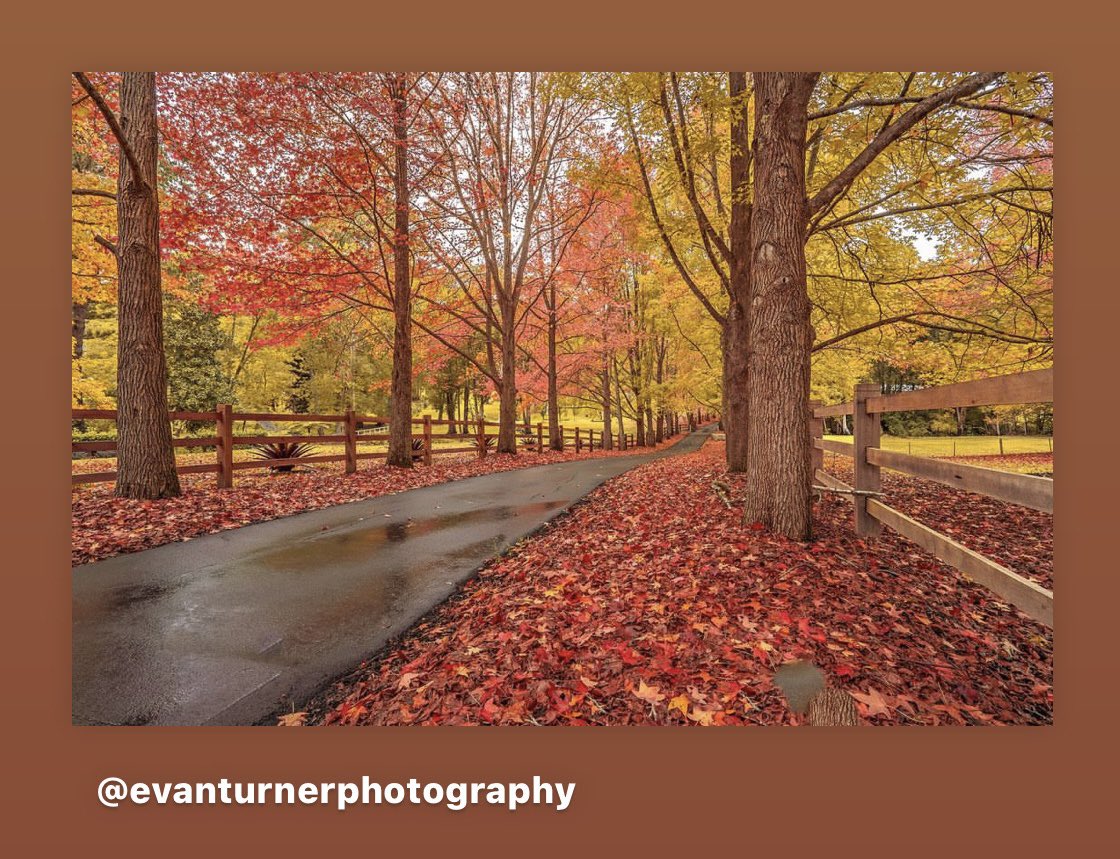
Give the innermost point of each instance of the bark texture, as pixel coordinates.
(400, 394)
(832, 707)
(735, 330)
(780, 337)
(145, 456)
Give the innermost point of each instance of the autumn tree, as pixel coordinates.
(145, 455)
(505, 138)
(780, 338)
(297, 192)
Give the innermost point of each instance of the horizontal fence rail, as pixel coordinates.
(356, 431)
(869, 458)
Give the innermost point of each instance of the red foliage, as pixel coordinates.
(652, 603)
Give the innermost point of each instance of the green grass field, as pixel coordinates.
(570, 418)
(969, 445)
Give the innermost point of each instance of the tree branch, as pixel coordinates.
(114, 126)
(93, 192)
(105, 243)
(1010, 111)
(840, 183)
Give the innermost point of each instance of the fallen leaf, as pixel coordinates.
(650, 694)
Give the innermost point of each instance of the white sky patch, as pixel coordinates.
(925, 246)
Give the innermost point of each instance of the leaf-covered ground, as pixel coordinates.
(103, 525)
(651, 603)
(1017, 537)
(1023, 463)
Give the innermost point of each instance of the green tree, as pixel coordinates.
(193, 340)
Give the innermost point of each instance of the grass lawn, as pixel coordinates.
(969, 445)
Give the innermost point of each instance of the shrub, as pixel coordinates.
(283, 450)
(490, 441)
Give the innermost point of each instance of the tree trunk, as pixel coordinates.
(554, 440)
(618, 400)
(145, 456)
(831, 707)
(400, 394)
(452, 413)
(507, 415)
(779, 332)
(79, 313)
(608, 441)
(638, 422)
(735, 333)
(659, 379)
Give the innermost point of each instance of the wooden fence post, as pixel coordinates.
(561, 428)
(351, 442)
(540, 437)
(816, 433)
(866, 430)
(224, 427)
(578, 447)
(427, 439)
(481, 438)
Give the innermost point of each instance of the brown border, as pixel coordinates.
(644, 790)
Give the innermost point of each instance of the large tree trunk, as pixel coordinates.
(779, 330)
(145, 456)
(400, 394)
(736, 324)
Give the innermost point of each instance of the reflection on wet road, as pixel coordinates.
(226, 628)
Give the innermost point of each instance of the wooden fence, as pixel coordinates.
(529, 437)
(869, 458)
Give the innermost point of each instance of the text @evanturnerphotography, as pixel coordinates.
(695, 399)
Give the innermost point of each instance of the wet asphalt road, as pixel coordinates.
(229, 628)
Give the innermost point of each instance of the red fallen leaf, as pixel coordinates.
(674, 559)
(490, 711)
(873, 703)
(650, 694)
